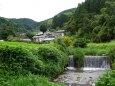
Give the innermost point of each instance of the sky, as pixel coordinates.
(37, 10)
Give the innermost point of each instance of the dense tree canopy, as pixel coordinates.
(43, 28)
(58, 21)
(94, 20)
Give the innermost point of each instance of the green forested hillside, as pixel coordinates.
(7, 27)
(26, 23)
(14, 27)
(93, 20)
(68, 11)
(58, 21)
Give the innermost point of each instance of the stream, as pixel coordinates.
(94, 67)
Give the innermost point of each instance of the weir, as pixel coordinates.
(94, 66)
(71, 63)
(96, 63)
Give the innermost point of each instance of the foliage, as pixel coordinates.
(68, 41)
(43, 28)
(80, 42)
(78, 56)
(31, 80)
(108, 79)
(93, 20)
(26, 24)
(111, 53)
(58, 21)
(54, 59)
(59, 42)
(30, 35)
(21, 59)
(18, 59)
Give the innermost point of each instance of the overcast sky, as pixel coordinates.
(37, 10)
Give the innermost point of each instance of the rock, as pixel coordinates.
(56, 80)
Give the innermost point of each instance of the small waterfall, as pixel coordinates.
(96, 62)
(71, 63)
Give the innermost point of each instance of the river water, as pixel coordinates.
(94, 67)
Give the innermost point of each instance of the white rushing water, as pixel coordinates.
(94, 66)
(96, 63)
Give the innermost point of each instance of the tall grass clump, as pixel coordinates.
(78, 56)
(111, 54)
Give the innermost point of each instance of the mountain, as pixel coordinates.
(23, 25)
(59, 20)
(67, 11)
(28, 24)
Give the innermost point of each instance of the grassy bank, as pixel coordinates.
(94, 49)
(20, 60)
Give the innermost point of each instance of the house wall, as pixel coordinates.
(45, 36)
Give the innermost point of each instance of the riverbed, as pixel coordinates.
(79, 77)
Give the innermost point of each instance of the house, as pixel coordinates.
(26, 40)
(47, 36)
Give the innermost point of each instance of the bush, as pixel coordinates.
(21, 60)
(54, 60)
(31, 80)
(80, 42)
(16, 59)
(108, 79)
(68, 41)
(48, 53)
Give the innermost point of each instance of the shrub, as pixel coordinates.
(108, 79)
(48, 53)
(60, 41)
(54, 60)
(21, 60)
(80, 42)
(18, 60)
(31, 80)
(68, 41)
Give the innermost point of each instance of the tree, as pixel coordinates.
(30, 35)
(43, 28)
(58, 21)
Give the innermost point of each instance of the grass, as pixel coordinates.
(22, 44)
(98, 48)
